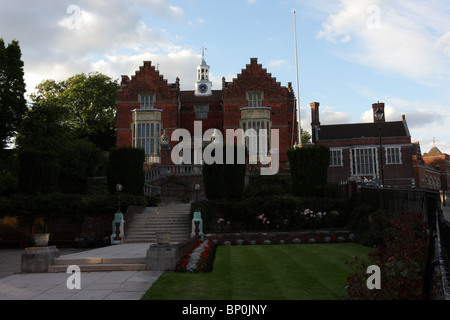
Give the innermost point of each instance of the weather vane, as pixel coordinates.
(203, 52)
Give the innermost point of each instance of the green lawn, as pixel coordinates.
(265, 272)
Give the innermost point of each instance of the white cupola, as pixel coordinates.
(203, 85)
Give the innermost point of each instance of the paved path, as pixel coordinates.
(114, 285)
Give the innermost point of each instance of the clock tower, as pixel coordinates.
(203, 85)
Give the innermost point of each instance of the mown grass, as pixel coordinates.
(270, 272)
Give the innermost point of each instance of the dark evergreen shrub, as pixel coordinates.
(309, 169)
(126, 167)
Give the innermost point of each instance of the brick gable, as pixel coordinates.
(146, 80)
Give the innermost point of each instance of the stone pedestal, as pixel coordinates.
(118, 223)
(161, 257)
(38, 259)
(197, 225)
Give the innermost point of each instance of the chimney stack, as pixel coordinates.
(315, 122)
(375, 107)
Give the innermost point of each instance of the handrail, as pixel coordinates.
(163, 171)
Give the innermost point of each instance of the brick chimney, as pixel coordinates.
(375, 107)
(315, 123)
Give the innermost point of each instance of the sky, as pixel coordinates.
(351, 54)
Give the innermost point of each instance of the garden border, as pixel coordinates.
(275, 237)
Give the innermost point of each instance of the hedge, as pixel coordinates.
(309, 169)
(224, 181)
(126, 167)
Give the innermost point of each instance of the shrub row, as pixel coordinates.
(281, 213)
(74, 206)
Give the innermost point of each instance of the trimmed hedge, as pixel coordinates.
(74, 206)
(309, 169)
(224, 181)
(126, 167)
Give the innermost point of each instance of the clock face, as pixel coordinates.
(203, 88)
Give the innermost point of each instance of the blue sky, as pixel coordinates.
(351, 53)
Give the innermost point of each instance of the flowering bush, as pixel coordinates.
(263, 220)
(309, 219)
(223, 225)
(402, 261)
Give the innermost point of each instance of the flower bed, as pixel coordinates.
(199, 258)
(288, 240)
(306, 236)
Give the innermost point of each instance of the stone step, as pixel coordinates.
(99, 264)
(149, 223)
(137, 239)
(60, 261)
(100, 267)
(173, 229)
(174, 218)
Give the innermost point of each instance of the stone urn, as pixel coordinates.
(163, 237)
(40, 239)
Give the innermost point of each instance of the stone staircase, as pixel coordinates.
(130, 256)
(170, 217)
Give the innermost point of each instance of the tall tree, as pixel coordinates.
(12, 91)
(90, 100)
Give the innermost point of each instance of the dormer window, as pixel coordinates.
(147, 100)
(255, 98)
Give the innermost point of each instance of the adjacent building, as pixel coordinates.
(380, 150)
(441, 163)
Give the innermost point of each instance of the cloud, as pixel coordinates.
(409, 38)
(59, 39)
(277, 63)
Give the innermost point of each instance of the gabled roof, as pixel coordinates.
(362, 130)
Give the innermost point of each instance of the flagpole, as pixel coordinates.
(298, 91)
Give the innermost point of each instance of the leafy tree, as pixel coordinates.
(38, 172)
(90, 103)
(12, 91)
(47, 128)
(305, 136)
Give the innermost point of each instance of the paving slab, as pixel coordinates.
(108, 285)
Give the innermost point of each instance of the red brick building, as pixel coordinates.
(148, 105)
(441, 163)
(355, 149)
(426, 176)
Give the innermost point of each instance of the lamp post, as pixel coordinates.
(119, 188)
(197, 188)
(118, 222)
(379, 116)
